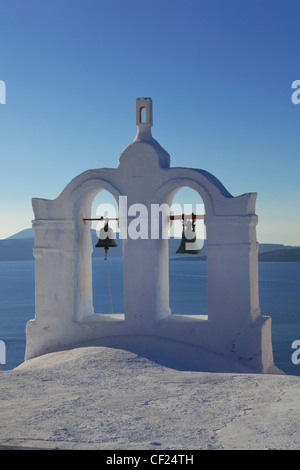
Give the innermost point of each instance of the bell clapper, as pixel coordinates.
(106, 241)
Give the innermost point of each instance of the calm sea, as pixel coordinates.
(279, 286)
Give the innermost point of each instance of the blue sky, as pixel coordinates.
(219, 73)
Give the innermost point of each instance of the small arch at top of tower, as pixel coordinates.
(144, 111)
(143, 115)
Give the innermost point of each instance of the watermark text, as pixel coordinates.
(296, 94)
(2, 92)
(296, 353)
(2, 352)
(137, 221)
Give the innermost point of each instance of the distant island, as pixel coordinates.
(19, 247)
(284, 254)
(287, 254)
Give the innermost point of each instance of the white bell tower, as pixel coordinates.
(234, 326)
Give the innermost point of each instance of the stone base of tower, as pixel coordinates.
(248, 351)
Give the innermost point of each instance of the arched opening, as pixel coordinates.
(143, 115)
(187, 272)
(107, 274)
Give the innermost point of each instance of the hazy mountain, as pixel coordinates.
(27, 233)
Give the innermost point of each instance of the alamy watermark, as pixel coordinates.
(296, 94)
(2, 352)
(296, 354)
(2, 92)
(138, 222)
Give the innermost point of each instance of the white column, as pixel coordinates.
(232, 271)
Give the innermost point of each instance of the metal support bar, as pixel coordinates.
(102, 218)
(171, 217)
(183, 217)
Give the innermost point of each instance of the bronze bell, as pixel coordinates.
(188, 242)
(106, 239)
